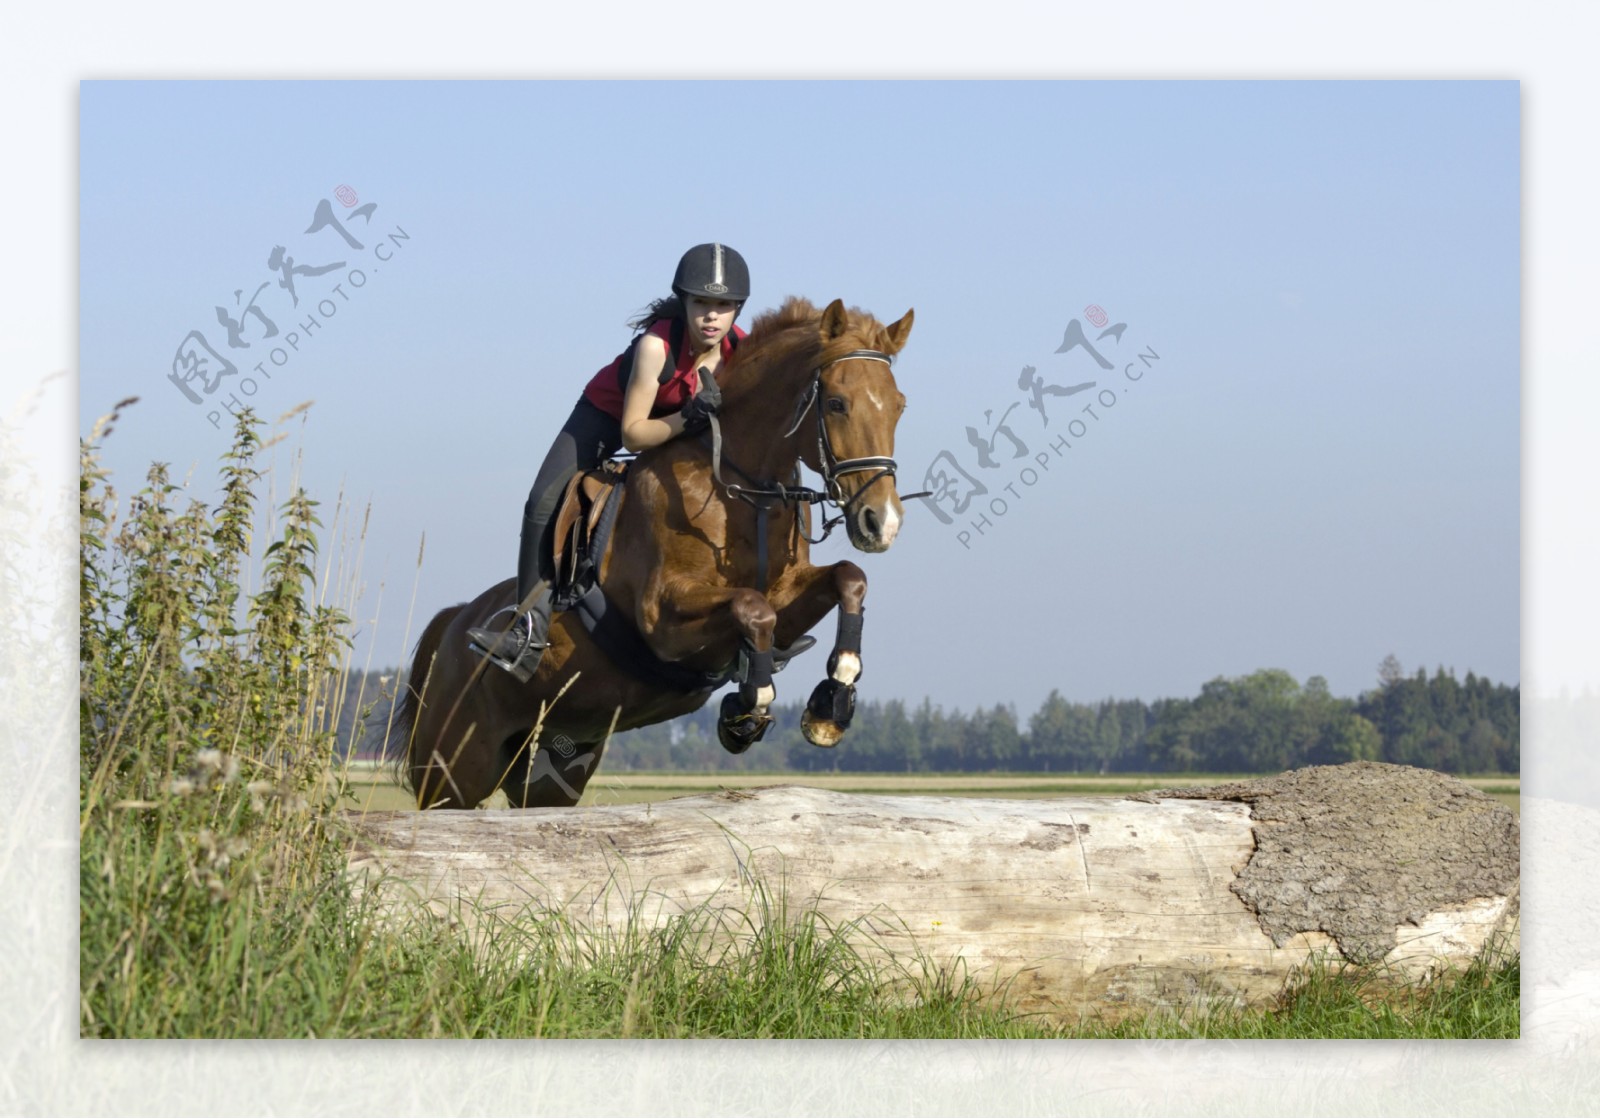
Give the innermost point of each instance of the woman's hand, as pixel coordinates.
(699, 408)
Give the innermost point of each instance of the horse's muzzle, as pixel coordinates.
(872, 528)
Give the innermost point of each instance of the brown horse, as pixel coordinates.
(709, 562)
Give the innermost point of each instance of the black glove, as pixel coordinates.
(699, 408)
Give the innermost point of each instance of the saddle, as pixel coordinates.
(581, 530)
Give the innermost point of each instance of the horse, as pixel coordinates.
(712, 574)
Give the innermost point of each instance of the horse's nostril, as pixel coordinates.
(869, 521)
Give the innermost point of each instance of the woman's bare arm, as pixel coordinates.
(638, 429)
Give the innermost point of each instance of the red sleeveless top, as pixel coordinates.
(605, 389)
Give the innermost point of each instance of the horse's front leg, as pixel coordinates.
(833, 704)
(694, 615)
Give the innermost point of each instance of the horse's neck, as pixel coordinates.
(759, 432)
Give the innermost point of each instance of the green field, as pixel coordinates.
(372, 787)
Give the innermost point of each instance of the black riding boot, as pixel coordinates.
(519, 649)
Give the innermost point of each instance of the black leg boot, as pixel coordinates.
(519, 648)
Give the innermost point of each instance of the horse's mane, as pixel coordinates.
(794, 310)
(791, 327)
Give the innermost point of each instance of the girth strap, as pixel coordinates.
(761, 548)
(620, 640)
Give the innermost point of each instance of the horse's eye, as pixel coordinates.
(836, 405)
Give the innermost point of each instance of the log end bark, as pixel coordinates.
(1375, 855)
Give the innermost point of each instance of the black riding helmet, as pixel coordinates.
(712, 271)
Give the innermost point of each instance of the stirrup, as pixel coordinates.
(526, 662)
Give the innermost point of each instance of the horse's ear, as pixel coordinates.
(833, 321)
(900, 331)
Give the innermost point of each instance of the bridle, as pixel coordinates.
(833, 467)
(763, 494)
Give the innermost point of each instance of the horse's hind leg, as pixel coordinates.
(454, 775)
(556, 775)
(454, 748)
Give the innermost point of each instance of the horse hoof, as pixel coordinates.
(737, 728)
(820, 732)
(827, 716)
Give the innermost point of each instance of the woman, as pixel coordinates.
(657, 388)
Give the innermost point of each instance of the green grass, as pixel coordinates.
(214, 900)
(1482, 1002)
(312, 965)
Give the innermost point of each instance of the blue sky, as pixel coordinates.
(1321, 468)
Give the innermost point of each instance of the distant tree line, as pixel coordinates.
(1261, 723)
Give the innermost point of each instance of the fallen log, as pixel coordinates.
(1069, 907)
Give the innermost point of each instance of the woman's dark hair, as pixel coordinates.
(668, 307)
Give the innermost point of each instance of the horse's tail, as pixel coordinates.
(404, 727)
